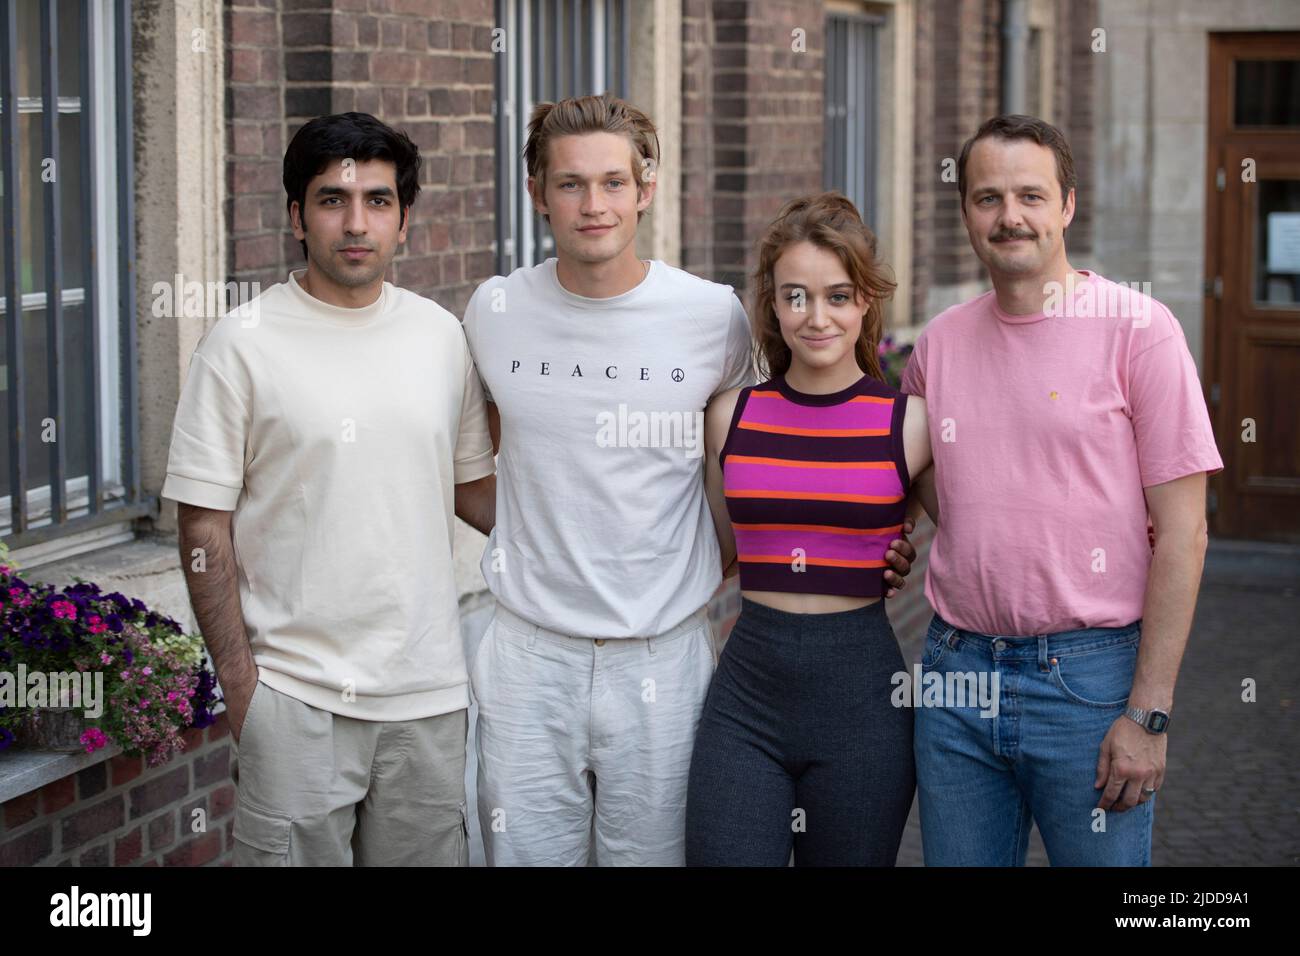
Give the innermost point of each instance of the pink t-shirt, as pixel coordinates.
(1045, 430)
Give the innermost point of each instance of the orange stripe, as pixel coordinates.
(795, 463)
(869, 399)
(826, 562)
(815, 496)
(822, 528)
(823, 432)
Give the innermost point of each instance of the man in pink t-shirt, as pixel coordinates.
(1064, 409)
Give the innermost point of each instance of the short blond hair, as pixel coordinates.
(577, 115)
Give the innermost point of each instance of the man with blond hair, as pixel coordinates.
(597, 366)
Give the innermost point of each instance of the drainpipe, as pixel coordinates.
(1015, 51)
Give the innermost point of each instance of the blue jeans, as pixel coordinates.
(982, 779)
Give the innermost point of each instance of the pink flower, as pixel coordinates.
(105, 659)
(146, 671)
(126, 675)
(92, 739)
(64, 609)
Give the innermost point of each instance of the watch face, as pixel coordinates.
(1157, 722)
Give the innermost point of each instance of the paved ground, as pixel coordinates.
(1232, 787)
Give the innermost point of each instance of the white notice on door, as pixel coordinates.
(1284, 242)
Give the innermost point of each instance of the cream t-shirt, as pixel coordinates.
(336, 436)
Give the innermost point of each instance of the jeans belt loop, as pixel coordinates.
(1042, 653)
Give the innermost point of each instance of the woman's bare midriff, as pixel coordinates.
(796, 603)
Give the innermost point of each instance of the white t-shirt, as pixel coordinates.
(602, 526)
(336, 435)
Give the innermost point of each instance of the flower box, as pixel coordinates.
(80, 669)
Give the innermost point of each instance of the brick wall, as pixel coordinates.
(965, 61)
(751, 125)
(118, 813)
(926, 184)
(1074, 81)
(422, 66)
(958, 86)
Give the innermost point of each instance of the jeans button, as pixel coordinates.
(999, 645)
(600, 642)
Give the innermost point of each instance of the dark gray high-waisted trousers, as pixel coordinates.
(799, 746)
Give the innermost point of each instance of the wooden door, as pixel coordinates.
(1252, 329)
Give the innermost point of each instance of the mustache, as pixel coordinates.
(1004, 234)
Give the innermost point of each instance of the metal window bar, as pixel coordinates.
(55, 366)
(557, 48)
(16, 381)
(90, 256)
(54, 299)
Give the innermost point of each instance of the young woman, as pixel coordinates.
(799, 747)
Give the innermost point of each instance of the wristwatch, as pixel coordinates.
(1153, 721)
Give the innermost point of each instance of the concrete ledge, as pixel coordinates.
(22, 771)
(147, 568)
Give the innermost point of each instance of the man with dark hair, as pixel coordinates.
(319, 436)
(1067, 409)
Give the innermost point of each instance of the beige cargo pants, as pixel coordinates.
(319, 789)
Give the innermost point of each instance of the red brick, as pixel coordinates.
(222, 726)
(28, 849)
(162, 830)
(249, 176)
(223, 801)
(192, 737)
(396, 68)
(127, 849)
(123, 768)
(196, 852)
(254, 102)
(246, 139)
(95, 856)
(158, 792)
(253, 29)
(93, 821)
(212, 766)
(440, 69)
(256, 252)
(59, 794)
(245, 66)
(22, 809)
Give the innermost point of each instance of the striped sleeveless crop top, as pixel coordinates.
(816, 486)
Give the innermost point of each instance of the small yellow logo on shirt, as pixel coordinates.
(1055, 395)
